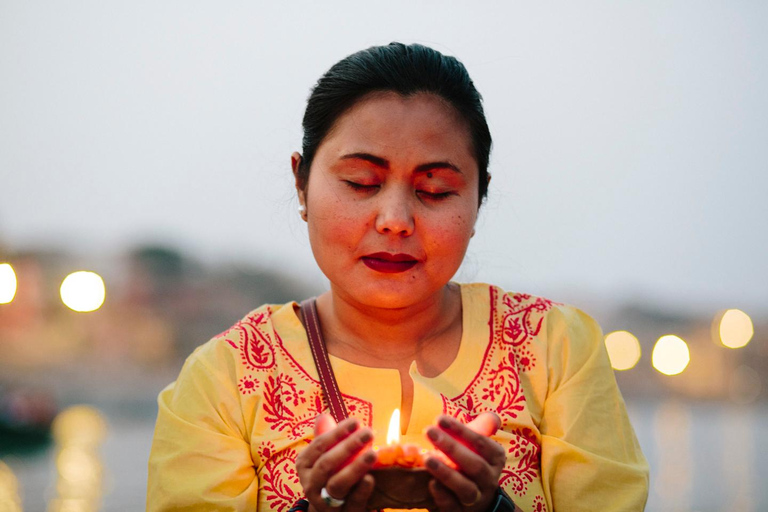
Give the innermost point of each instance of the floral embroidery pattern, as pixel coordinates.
(515, 320)
(279, 477)
(518, 473)
(503, 389)
(522, 321)
(525, 359)
(539, 505)
(292, 397)
(281, 398)
(254, 344)
(247, 385)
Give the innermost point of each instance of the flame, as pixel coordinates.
(393, 432)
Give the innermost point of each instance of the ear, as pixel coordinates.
(295, 164)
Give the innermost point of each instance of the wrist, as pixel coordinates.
(502, 502)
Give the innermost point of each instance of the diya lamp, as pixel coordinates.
(401, 478)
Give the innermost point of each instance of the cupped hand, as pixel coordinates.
(338, 459)
(471, 487)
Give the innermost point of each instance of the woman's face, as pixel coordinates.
(392, 199)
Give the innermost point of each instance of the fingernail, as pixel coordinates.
(433, 434)
(365, 436)
(352, 426)
(369, 458)
(444, 423)
(431, 463)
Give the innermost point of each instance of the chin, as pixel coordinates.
(394, 295)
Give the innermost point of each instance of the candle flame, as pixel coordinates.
(393, 432)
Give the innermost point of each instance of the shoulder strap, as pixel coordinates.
(320, 354)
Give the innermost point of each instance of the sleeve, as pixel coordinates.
(200, 458)
(590, 457)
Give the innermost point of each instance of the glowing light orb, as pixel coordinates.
(670, 355)
(7, 283)
(80, 425)
(736, 328)
(623, 350)
(83, 291)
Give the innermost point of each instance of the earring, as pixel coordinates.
(303, 211)
(473, 233)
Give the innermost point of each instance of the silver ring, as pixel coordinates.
(330, 500)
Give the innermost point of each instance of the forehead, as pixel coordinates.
(421, 126)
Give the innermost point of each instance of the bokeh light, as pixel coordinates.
(83, 291)
(623, 349)
(736, 328)
(670, 355)
(7, 283)
(79, 432)
(10, 500)
(78, 466)
(79, 425)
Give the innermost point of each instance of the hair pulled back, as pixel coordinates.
(406, 70)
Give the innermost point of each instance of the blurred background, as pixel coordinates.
(146, 204)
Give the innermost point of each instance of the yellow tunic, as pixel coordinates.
(229, 429)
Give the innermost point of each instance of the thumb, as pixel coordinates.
(486, 424)
(324, 423)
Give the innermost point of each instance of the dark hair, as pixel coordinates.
(406, 70)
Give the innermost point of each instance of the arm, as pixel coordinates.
(200, 458)
(590, 457)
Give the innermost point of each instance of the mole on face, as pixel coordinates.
(429, 175)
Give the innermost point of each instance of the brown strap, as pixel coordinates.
(320, 354)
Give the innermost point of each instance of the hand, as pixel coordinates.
(338, 459)
(472, 487)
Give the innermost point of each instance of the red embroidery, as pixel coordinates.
(521, 322)
(521, 472)
(503, 389)
(281, 398)
(515, 320)
(525, 359)
(288, 405)
(247, 385)
(279, 476)
(539, 505)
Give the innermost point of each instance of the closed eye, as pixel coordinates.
(434, 196)
(361, 186)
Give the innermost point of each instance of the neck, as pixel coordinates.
(386, 337)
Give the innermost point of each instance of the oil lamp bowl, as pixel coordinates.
(398, 487)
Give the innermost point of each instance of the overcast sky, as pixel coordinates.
(630, 138)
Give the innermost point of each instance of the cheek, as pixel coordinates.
(334, 226)
(452, 233)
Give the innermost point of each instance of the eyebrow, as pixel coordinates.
(384, 163)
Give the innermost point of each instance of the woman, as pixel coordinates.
(392, 174)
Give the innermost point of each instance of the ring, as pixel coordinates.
(474, 502)
(335, 502)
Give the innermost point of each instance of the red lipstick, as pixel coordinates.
(389, 263)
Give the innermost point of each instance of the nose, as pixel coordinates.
(395, 215)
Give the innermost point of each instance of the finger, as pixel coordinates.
(323, 424)
(342, 454)
(464, 489)
(443, 498)
(343, 481)
(325, 441)
(482, 445)
(486, 424)
(360, 494)
(469, 462)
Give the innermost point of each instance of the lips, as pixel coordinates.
(389, 263)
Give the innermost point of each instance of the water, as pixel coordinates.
(704, 458)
